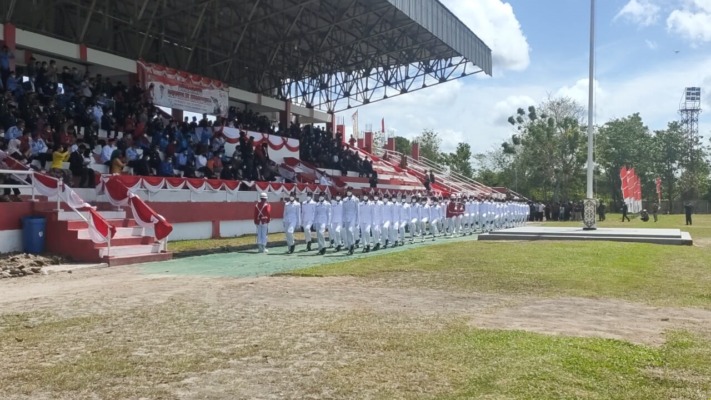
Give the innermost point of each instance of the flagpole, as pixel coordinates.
(590, 203)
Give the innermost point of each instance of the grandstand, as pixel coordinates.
(274, 72)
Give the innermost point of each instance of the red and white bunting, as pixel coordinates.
(213, 185)
(73, 199)
(196, 185)
(231, 187)
(116, 192)
(147, 218)
(99, 229)
(45, 185)
(153, 183)
(174, 183)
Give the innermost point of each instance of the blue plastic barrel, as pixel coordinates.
(33, 234)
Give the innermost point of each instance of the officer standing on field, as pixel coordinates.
(262, 217)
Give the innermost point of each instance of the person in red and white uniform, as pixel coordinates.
(262, 217)
(452, 215)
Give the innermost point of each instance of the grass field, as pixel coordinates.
(654, 274)
(528, 320)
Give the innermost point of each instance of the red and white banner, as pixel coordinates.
(184, 91)
(631, 189)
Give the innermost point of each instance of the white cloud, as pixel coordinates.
(692, 21)
(651, 44)
(579, 92)
(496, 24)
(640, 12)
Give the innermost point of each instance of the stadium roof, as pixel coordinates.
(327, 54)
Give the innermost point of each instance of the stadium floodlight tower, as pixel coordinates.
(689, 110)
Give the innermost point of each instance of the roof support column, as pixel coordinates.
(285, 116)
(9, 39)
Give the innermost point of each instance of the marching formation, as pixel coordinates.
(372, 221)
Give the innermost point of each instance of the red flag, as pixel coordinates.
(625, 182)
(658, 181)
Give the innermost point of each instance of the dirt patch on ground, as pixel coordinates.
(18, 265)
(103, 290)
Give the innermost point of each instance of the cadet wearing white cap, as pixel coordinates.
(350, 219)
(434, 218)
(365, 211)
(377, 225)
(394, 221)
(262, 217)
(335, 231)
(389, 222)
(414, 218)
(292, 219)
(404, 217)
(322, 218)
(423, 216)
(308, 208)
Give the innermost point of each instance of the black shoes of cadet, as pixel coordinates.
(308, 246)
(338, 248)
(350, 250)
(322, 251)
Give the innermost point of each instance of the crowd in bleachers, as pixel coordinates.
(64, 121)
(321, 148)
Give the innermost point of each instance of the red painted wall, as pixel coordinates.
(11, 215)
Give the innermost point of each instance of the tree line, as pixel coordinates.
(545, 157)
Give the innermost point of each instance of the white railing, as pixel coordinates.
(60, 195)
(454, 180)
(16, 174)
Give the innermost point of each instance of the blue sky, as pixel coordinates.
(647, 52)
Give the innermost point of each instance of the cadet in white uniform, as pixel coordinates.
(404, 211)
(308, 208)
(292, 219)
(434, 218)
(424, 216)
(467, 222)
(414, 218)
(366, 220)
(350, 219)
(394, 221)
(335, 231)
(322, 219)
(377, 225)
(388, 222)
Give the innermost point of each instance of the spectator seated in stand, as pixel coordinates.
(60, 155)
(116, 163)
(79, 161)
